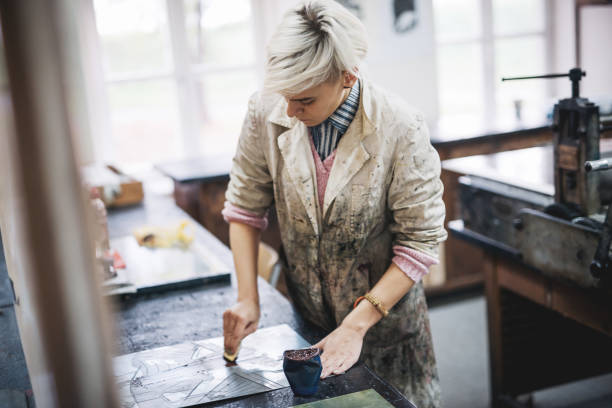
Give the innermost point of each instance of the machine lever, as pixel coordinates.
(598, 165)
(575, 75)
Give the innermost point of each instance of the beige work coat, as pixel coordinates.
(383, 190)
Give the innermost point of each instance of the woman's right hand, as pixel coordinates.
(238, 322)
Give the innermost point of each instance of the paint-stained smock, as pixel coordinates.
(384, 189)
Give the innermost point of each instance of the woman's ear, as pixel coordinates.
(348, 79)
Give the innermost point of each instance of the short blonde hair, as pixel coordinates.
(314, 43)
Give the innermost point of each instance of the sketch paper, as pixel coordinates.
(195, 373)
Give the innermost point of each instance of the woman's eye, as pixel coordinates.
(308, 102)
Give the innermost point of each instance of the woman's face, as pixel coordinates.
(315, 104)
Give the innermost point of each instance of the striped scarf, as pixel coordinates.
(326, 135)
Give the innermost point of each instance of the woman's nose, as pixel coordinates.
(292, 109)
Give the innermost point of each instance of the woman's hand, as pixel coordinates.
(238, 322)
(342, 349)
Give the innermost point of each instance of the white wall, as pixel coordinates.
(595, 44)
(402, 63)
(596, 50)
(564, 50)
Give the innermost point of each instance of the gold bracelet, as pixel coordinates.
(377, 304)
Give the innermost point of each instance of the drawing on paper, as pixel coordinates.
(195, 373)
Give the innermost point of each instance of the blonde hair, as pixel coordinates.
(314, 43)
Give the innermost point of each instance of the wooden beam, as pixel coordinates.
(588, 307)
(62, 321)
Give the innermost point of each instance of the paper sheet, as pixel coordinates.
(195, 373)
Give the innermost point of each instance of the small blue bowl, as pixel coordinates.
(303, 370)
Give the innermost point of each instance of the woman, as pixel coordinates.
(355, 182)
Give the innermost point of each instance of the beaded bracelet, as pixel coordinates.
(374, 301)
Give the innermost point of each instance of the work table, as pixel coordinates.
(177, 316)
(154, 320)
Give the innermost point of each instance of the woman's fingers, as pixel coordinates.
(250, 328)
(330, 363)
(228, 324)
(342, 368)
(232, 331)
(329, 368)
(237, 335)
(238, 322)
(336, 364)
(342, 349)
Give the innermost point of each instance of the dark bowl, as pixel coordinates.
(303, 370)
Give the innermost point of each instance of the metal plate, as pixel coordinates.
(558, 248)
(362, 399)
(489, 207)
(158, 269)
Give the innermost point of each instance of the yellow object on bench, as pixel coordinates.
(165, 237)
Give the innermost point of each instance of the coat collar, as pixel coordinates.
(350, 156)
(295, 149)
(279, 116)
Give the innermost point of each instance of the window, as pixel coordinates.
(178, 75)
(478, 43)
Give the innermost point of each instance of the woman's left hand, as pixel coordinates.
(341, 350)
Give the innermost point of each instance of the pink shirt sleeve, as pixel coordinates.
(413, 263)
(231, 213)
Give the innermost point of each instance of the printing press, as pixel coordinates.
(544, 220)
(566, 235)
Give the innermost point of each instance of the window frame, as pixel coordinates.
(487, 39)
(187, 78)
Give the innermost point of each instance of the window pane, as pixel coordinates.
(521, 57)
(134, 36)
(460, 79)
(219, 31)
(457, 19)
(225, 97)
(145, 121)
(518, 16)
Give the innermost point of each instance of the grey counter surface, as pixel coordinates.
(176, 316)
(154, 320)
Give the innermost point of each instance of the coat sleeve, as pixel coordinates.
(250, 187)
(415, 193)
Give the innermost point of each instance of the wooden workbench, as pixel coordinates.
(542, 331)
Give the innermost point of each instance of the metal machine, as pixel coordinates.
(566, 235)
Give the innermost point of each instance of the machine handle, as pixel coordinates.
(574, 74)
(598, 165)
